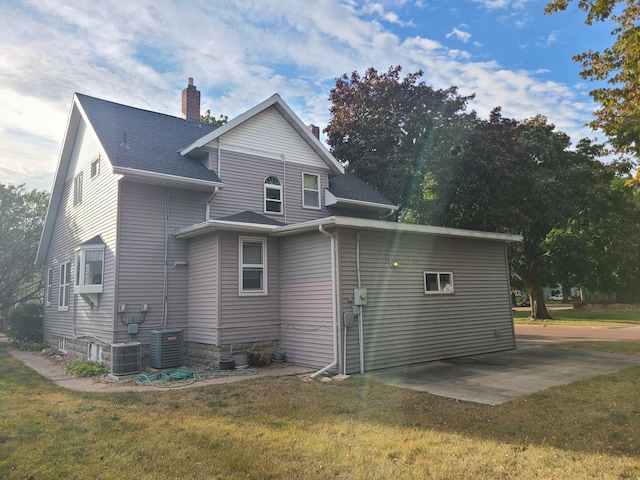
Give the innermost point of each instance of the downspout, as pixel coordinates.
(361, 319)
(208, 210)
(334, 299)
(165, 287)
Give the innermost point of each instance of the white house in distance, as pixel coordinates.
(176, 242)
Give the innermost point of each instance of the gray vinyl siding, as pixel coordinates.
(306, 308)
(401, 324)
(203, 290)
(141, 260)
(247, 318)
(244, 175)
(96, 215)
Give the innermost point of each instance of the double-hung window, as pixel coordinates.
(272, 195)
(438, 282)
(310, 190)
(48, 291)
(77, 189)
(63, 291)
(253, 266)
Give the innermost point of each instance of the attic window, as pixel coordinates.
(95, 167)
(272, 195)
(89, 268)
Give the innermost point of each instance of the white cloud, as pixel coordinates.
(459, 34)
(239, 53)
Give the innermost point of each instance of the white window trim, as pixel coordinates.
(77, 190)
(241, 266)
(80, 266)
(311, 207)
(439, 291)
(63, 287)
(49, 287)
(274, 187)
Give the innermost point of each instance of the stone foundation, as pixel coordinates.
(195, 354)
(203, 354)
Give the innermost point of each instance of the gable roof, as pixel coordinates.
(288, 114)
(136, 140)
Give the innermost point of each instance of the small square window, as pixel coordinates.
(438, 282)
(95, 168)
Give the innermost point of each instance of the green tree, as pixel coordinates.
(380, 125)
(619, 66)
(212, 120)
(22, 215)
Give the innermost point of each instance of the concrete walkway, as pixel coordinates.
(54, 371)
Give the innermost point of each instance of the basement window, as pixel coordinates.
(438, 282)
(89, 268)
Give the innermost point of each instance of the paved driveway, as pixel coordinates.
(536, 364)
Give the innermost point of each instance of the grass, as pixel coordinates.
(581, 317)
(288, 428)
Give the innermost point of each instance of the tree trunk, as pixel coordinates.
(538, 307)
(566, 293)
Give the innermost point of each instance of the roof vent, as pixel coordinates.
(124, 143)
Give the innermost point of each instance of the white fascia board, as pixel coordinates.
(218, 225)
(331, 200)
(165, 179)
(287, 113)
(381, 225)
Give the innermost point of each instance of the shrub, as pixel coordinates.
(80, 368)
(25, 323)
(33, 347)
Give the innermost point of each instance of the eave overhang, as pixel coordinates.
(210, 226)
(339, 221)
(143, 176)
(330, 200)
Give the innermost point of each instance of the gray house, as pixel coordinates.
(184, 242)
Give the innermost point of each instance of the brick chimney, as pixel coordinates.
(191, 102)
(315, 130)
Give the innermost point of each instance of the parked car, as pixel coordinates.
(525, 303)
(557, 298)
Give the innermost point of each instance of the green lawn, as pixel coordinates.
(289, 428)
(582, 317)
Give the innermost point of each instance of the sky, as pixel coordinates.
(240, 52)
